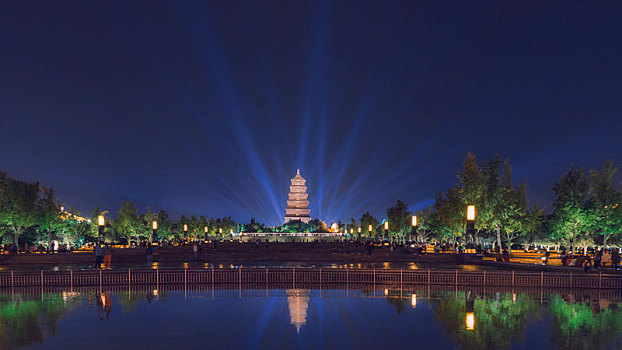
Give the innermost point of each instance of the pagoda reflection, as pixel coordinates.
(298, 302)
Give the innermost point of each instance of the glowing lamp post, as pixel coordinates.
(359, 233)
(205, 230)
(471, 220)
(154, 225)
(220, 231)
(413, 300)
(369, 230)
(100, 226)
(414, 225)
(185, 231)
(386, 230)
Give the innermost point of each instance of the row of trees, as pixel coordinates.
(586, 212)
(30, 213)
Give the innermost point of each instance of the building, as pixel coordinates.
(297, 200)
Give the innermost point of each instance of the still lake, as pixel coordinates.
(359, 317)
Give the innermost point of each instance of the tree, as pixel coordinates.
(18, 205)
(317, 225)
(49, 215)
(604, 205)
(472, 188)
(366, 220)
(450, 213)
(571, 218)
(399, 220)
(126, 223)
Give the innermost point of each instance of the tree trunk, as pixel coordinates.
(604, 241)
(498, 229)
(49, 237)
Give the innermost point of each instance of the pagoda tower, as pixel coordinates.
(297, 200)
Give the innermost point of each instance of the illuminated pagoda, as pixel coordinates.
(298, 302)
(297, 200)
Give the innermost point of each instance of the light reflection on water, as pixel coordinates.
(360, 317)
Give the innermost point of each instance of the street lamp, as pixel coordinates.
(386, 229)
(413, 300)
(470, 220)
(100, 226)
(220, 231)
(414, 225)
(185, 231)
(154, 225)
(369, 230)
(205, 229)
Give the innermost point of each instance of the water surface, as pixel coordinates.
(361, 317)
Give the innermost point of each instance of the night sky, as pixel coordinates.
(208, 108)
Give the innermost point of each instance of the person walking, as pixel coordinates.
(98, 255)
(615, 258)
(149, 252)
(597, 259)
(107, 257)
(195, 250)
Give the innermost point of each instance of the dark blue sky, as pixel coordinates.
(209, 107)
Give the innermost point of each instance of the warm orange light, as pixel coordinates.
(100, 220)
(471, 212)
(414, 222)
(205, 229)
(351, 230)
(334, 226)
(470, 321)
(220, 230)
(359, 229)
(413, 300)
(154, 224)
(386, 225)
(386, 291)
(185, 228)
(369, 228)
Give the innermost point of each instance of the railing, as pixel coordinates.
(309, 276)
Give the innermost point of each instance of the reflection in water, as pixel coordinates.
(464, 319)
(298, 302)
(25, 322)
(485, 323)
(587, 324)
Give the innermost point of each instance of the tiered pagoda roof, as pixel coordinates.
(297, 200)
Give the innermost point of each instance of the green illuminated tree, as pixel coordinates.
(399, 220)
(127, 224)
(49, 215)
(571, 217)
(366, 220)
(604, 204)
(18, 205)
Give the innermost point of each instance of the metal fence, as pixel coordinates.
(309, 276)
